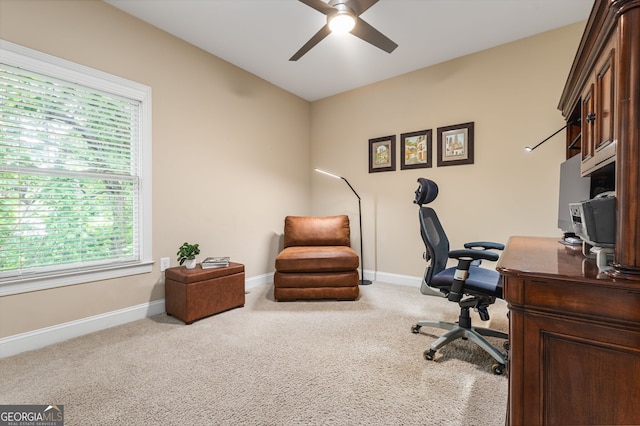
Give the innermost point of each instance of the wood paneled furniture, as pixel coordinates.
(601, 103)
(574, 333)
(574, 337)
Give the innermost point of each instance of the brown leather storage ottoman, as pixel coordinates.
(192, 294)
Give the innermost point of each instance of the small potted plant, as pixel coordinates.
(187, 255)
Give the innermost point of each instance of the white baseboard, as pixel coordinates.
(369, 275)
(258, 280)
(42, 337)
(36, 339)
(390, 278)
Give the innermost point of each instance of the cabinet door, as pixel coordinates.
(588, 122)
(580, 372)
(605, 90)
(598, 112)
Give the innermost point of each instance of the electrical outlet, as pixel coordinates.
(164, 263)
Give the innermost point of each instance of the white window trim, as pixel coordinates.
(56, 67)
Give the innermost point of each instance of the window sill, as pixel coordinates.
(44, 282)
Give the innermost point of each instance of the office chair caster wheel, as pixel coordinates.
(415, 329)
(429, 355)
(498, 369)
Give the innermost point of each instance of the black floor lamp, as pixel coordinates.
(362, 280)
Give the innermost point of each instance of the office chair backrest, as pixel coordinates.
(435, 242)
(433, 235)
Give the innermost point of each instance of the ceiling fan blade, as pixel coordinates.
(369, 34)
(317, 38)
(360, 6)
(319, 5)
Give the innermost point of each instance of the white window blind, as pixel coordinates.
(70, 176)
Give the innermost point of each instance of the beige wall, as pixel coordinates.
(214, 123)
(510, 92)
(223, 141)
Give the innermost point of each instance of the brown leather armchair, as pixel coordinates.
(317, 261)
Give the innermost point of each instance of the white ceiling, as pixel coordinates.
(260, 36)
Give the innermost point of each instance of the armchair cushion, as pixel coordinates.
(316, 231)
(317, 259)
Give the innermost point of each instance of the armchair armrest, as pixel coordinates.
(485, 245)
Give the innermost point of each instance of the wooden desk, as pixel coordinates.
(574, 338)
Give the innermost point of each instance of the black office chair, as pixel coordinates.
(467, 284)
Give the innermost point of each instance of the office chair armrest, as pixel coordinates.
(485, 245)
(466, 258)
(473, 254)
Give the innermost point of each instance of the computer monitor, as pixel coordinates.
(573, 189)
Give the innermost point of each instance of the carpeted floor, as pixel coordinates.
(271, 363)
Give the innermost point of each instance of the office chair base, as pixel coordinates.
(475, 334)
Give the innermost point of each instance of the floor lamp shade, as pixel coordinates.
(362, 280)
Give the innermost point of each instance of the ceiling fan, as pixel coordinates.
(345, 13)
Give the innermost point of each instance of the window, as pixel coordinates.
(75, 173)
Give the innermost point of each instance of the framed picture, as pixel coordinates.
(382, 154)
(455, 145)
(415, 150)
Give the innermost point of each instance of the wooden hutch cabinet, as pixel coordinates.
(574, 332)
(601, 103)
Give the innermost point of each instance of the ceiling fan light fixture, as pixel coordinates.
(344, 16)
(342, 22)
